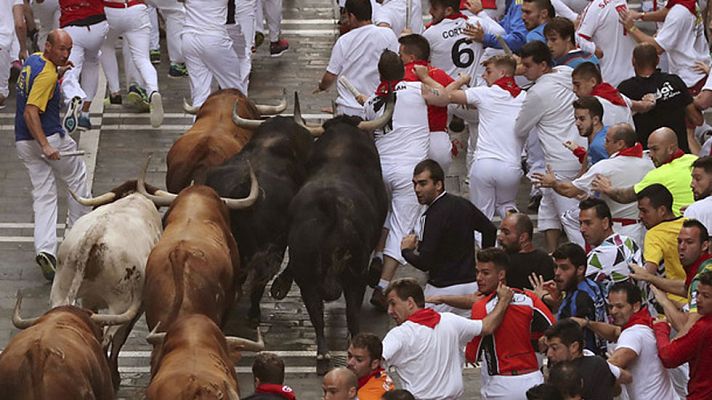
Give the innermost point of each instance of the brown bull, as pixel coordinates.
(195, 361)
(193, 268)
(213, 138)
(58, 356)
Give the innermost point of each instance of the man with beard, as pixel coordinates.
(701, 209)
(515, 237)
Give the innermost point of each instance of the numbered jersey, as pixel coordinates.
(450, 49)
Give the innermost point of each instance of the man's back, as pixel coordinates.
(682, 37)
(524, 264)
(598, 381)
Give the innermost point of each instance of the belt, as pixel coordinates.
(518, 372)
(126, 4)
(625, 221)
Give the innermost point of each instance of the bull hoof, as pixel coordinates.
(323, 364)
(280, 287)
(374, 272)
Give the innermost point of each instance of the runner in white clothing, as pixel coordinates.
(547, 107)
(355, 56)
(587, 81)
(392, 14)
(12, 23)
(701, 209)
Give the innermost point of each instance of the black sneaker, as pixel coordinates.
(278, 48)
(534, 203)
(138, 98)
(156, 56)
(177, 71)
(259, 39)
(115, 98)
(71, 118)
(48, 265)
(84, 123)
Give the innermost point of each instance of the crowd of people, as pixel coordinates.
(603, 118)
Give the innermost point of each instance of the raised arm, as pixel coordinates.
(492, 321)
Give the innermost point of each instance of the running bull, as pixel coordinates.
(335, 223)
(102, 259)
(278, 151)
(213, 138)
(58, 356)
(195, 361)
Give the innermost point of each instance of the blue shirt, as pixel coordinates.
(516, 32)
(537, 34)
(576, 57)
(597, 150)
(38, 85)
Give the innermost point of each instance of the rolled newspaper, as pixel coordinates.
(504, 45)
(349, 86)
(69, 153)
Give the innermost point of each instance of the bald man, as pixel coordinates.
(40, 141)
(340, 384)
(672, 170)
(515, 236)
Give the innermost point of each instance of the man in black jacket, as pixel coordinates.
(445, 246)
(268, 372)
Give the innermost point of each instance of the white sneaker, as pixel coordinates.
(71, 118)
(156, 104)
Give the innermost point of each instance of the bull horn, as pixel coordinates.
(231, 393)
(160, 198)
(381, 121)
(117, 319)
(189, 109)
(18, 321)
(154, 338)
(315, 131)
(272, 110)
(107, 197)
(237, 204)
(242, 122)
(246, 344)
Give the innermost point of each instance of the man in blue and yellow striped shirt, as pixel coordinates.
(40, 139)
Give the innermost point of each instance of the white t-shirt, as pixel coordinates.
(613, 114)
(430, 361)
(7, 23)
(355, 56)
(408, 138)
(683, 39)
(205, 17)
(497, 138)
(392, 12)
(449, 47)
(600, 25)
(701, 210)
(650, 379)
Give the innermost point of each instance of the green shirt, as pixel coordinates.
(676, 176)
(692, 290)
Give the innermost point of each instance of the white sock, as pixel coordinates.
(85, 114)
(383, 284)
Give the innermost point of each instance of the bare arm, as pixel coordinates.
(18, 14)
(674, 286)
(602, 329)
(326, 82)
(622, 195)
(462, 301)
(623, 357)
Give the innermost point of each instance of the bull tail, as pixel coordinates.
(87, 251)
(178, 259)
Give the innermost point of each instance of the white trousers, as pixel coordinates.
(535, 158)
(554, 207)
(133, 24)
(43, 174)
(206, 57)
(494, 185)
(344, 110)
(48, 14)
(441, 149)
(462, 289)
(155, 41)
(173, 14)
(5, 60)
(86, 44)
(404, 209)
(472, 122)
(273, 11)
(501, 387)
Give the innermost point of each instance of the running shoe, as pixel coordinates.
(71, 118)
(278, 48)
(48, 265)
(156, 109)
(177, 70)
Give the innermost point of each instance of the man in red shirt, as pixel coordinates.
(693, 347)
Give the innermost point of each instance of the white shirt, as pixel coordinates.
(355, 56)
(429, 361)
(683, 39)
(600, 26)
(701, 210)
(623, 171)
(409, 138)
(497, 138)
(392, 12)
(7, 23)
(205, 17)
(449, 49)
(614, 114)
(650, 379)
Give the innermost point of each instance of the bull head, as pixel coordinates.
(273, 110)
(156, 338)
(162, 198)
(99, 319)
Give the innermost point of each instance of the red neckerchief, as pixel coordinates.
(677, 154)
(385, 88)
(609, 93)
(693, 269)
(425, 316)
(363, 380)
(451, 16)
(282, 390)
(689, 4)
(507, 83)
(642, 317)
(634, 151)
(410, 75)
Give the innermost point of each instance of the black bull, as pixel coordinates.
(335, 223)
(277, 152)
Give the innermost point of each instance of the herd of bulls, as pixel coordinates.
(247, 189)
